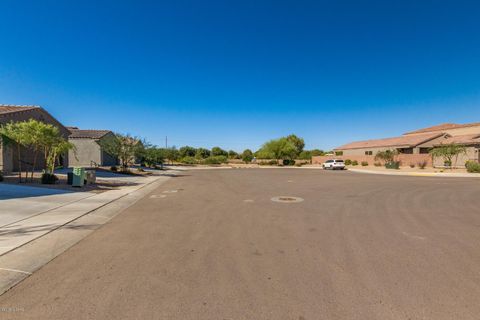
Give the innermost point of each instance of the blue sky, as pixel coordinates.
(237, 73)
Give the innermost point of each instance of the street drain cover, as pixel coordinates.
(287, 199)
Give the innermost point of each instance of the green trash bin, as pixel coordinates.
(78, 177)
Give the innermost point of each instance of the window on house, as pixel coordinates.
(368, 153)
(424, 150)
(405, 150)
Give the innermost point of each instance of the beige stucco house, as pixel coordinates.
(414, 146)
(8, 158)
(88, 150)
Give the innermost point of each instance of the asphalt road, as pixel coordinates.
(358, 247)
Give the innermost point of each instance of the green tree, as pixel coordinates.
(202, 153)
(387, 156)
(247, 156)
(233, 155)
(186, 151)
(15, 134)
(59, 147)
(124, 147)
(447, 152)
(279, 149)
(171, 154)
(298, 142)
(305, 155)
(34, 139)
(217, 151)
(154, 156)
(317, 152)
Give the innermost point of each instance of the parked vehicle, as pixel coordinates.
(334, 164)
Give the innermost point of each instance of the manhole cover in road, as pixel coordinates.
(155, 196)
(287, 199)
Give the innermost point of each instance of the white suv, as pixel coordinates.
(334, 164)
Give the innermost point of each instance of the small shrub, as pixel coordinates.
(140, 170)
(49, 178)
(215, 160)
(422, 164)
(392, 165)
(377, 164)
(354, 163)
(472, 167)
(113, 168)
(364, 163)
(268, 163)
(288, 162)
(447, 163)
(412, 165)
(348, 162)
(188, 160)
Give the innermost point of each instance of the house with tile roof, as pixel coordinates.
(88, 148)
(414, 146)
(14, 113)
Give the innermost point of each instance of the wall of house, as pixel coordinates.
(108, 160)
(472, 154)
(405, 159)
(374, 151)
(87, 150)
(9, 159)
(361, 152)
(28, 157)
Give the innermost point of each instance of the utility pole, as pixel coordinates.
(166, 142)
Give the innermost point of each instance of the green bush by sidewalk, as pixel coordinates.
(392, 165)
(288, 162)
(354, 163)
(472, 166)
(348, 162)
(364, 163)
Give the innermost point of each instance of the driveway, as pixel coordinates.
(213, 245)
(19, 202)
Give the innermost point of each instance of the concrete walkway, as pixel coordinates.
(19, 202)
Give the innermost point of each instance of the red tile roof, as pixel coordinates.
(403, 142)
(87, 134)
(444, 126)
(466, 139)
(4, 109)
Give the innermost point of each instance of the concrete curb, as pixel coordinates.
(22, 261)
